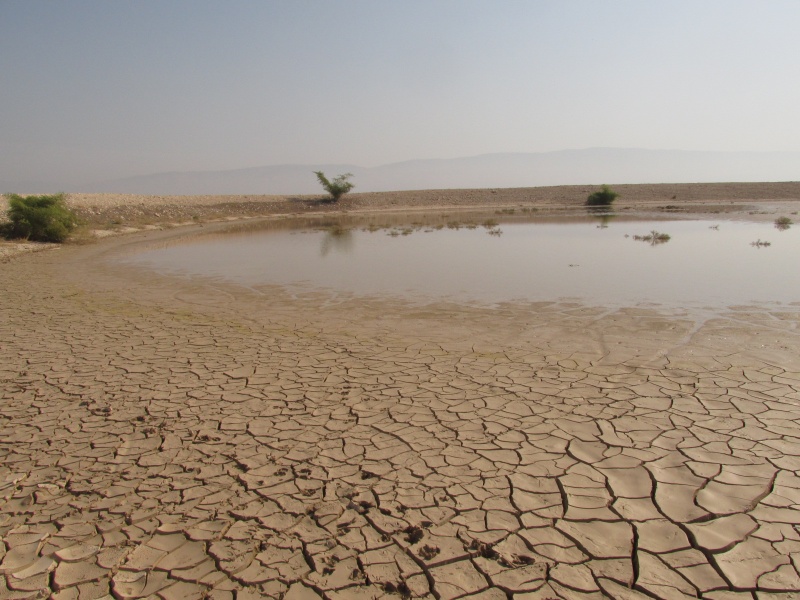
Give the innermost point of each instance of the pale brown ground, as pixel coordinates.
(181, 439)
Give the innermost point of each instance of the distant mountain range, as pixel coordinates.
(567, 167)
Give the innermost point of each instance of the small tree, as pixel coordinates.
(602, 198)
(40, 218)
(336, 188)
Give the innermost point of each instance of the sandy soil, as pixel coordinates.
(184, 439)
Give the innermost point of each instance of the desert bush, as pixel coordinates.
(783, 223)
(338, 187)
(39, 218)
(604, 197)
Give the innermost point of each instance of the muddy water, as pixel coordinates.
(491, 260)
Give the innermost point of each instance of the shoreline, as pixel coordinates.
(102, 215)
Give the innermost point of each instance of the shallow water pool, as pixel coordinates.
(597, 261)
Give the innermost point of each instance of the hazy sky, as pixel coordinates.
(102, 89)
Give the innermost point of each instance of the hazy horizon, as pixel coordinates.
(514, 170)
(95, 90)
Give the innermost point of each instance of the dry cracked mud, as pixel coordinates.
(179, 439)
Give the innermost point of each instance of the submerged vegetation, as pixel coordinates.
(492, 227)
(653, 238)
(39, 218)
(783, 223)
(760, 243)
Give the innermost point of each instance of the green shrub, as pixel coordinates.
(602, 198)
(336, 188)
(39, 218)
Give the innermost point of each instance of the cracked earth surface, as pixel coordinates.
(178, 439)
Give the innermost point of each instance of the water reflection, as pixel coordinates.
(337, 238)
(604, 219)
